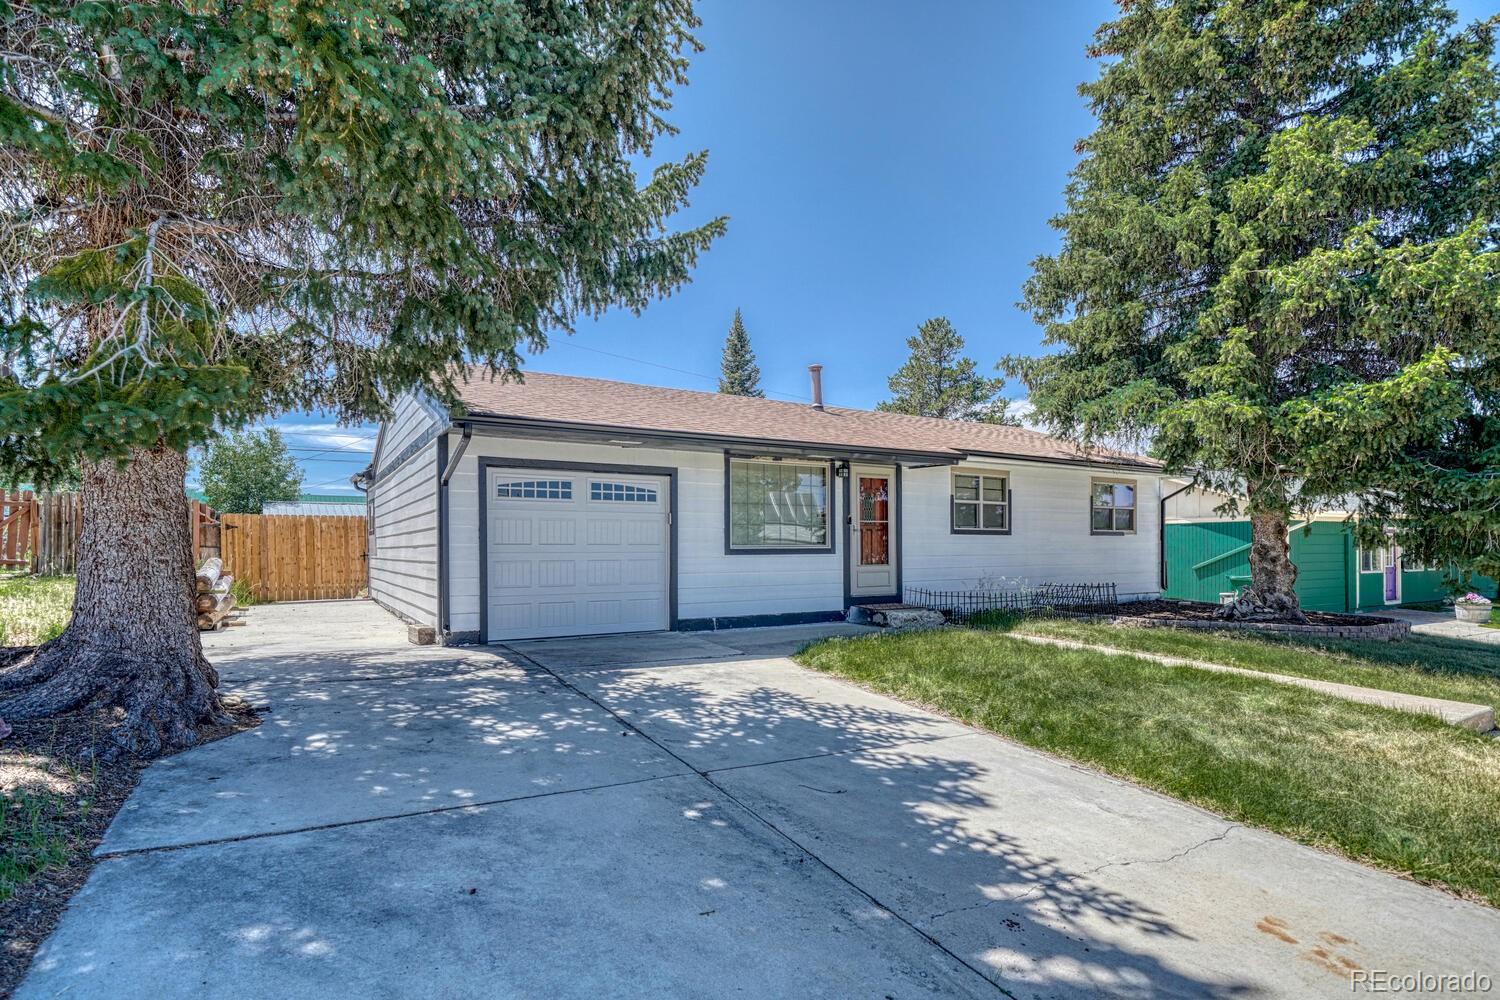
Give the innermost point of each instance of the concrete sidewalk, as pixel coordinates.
(683, 816)
(1444, 625)
(1466, 715)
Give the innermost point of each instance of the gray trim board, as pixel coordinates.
(486, 464)
(848, 521)
(759, 621)
(442, 538)
(558, 430)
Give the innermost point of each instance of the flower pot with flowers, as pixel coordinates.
(1472, 607)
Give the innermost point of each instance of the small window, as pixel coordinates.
(1112, 507)
(1413, 565)
(534, 489)
(777, 506)
(981, 502)
(620, 492)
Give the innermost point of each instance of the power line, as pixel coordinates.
(681, 371)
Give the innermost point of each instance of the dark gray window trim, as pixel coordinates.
(1120, 480)
(1010, 503)
(793, 550)
(486, 464)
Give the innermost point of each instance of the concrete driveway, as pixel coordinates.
(683, 816)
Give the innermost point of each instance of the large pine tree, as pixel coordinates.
(214, 211)
(1279, 256)
(936, 380)
(738, 373)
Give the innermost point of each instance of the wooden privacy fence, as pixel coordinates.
(18, 529)
(39, 531)
(295, 558)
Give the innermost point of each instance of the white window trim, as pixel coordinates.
(777, 548)
(953, 502)
(1134, 508)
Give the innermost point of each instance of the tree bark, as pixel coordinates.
(132, 645)
(1270, 596)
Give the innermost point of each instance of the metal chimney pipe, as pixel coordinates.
(816, 371)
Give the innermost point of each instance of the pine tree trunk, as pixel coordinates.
(132, 645)
(1270, 596)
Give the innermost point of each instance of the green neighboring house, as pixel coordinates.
(1206, 557)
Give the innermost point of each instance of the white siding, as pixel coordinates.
(710, 584)
(1049, 541)
(412, 419)
(403, 543)
(1194, 504)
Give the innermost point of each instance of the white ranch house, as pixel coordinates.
(573, 506)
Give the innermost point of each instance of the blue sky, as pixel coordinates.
(880, 163)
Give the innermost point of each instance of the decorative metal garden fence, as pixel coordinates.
(1073, 598)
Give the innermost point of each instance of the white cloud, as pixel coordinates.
(302, 434)
(1022, 410)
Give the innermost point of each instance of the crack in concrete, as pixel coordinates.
(1089, 872)
(317, 827)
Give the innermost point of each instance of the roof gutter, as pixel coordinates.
(1161, 531)
(447, 465)
(643, 437)
(1093, 463)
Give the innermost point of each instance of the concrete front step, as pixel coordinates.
(896, 616)
(1480, 718)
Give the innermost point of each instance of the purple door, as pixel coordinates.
(1392, 567)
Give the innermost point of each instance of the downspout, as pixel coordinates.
(446, 469)
(1161, 530)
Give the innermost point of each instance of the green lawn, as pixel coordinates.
(1402, 792)
(1423, 665)
(33, 609)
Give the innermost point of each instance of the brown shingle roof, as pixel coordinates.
(625, 406)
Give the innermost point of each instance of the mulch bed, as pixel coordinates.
(1197, 611)
(50, 754)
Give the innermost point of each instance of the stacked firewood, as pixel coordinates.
(214, 600)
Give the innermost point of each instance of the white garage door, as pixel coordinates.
(575, 553)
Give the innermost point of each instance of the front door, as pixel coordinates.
(1393, 575)
(872, 539)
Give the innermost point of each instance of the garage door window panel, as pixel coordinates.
(604, 491)
(534, 489)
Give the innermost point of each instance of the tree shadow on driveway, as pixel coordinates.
(941, 825)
